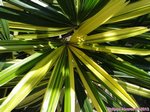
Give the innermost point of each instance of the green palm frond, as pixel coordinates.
(4, 28)
(72, 56)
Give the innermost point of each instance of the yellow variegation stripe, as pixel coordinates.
(23, 26)
(131, 88)
(88, 89)
(102, 75)
(36, 36)
(30, 80)
(54, 87)
(70, 89)
(134, 89)
(132, 10)
(114, 35)
(116, 50)
(2, 99)
(32, 99)
(98, 19)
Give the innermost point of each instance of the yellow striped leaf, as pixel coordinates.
(114, 35)
(54, 87)
(111, 8)
(29, 81)
(69, 86)
(116, 50)
(134, 89)
(88, 89)
(102, 75)
(132, 10)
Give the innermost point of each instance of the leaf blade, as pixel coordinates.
(116, 49)
(98, 19)
(104, 77)
(54, 87)
(132, 10)
(5, 27)
(25, 86)
(69, 86)
(114, 35)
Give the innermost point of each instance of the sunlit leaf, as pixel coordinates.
(32, 99)
(54, 87)
(85, 79)
(16, 69)
(98, 19)
(69, 86)
(115, 35)
(116, 49)
(134, 89)
(85, 104)
(132, 10)
(23, 26)
(90, 93)
(102, 75)
(26, 85)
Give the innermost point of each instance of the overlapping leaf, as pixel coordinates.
(104, 77)
(26, 85)
(115, 35)
(112, 7)
(69, 86)
(87, 8)
(17, 69)
(4, 28)
(54, 87)
(117, 50)
(132, 10)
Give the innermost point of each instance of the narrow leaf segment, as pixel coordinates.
(102, 75)
(30, 80)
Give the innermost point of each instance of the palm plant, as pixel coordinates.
(59, 55)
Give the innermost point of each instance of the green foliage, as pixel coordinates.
(76, 55)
